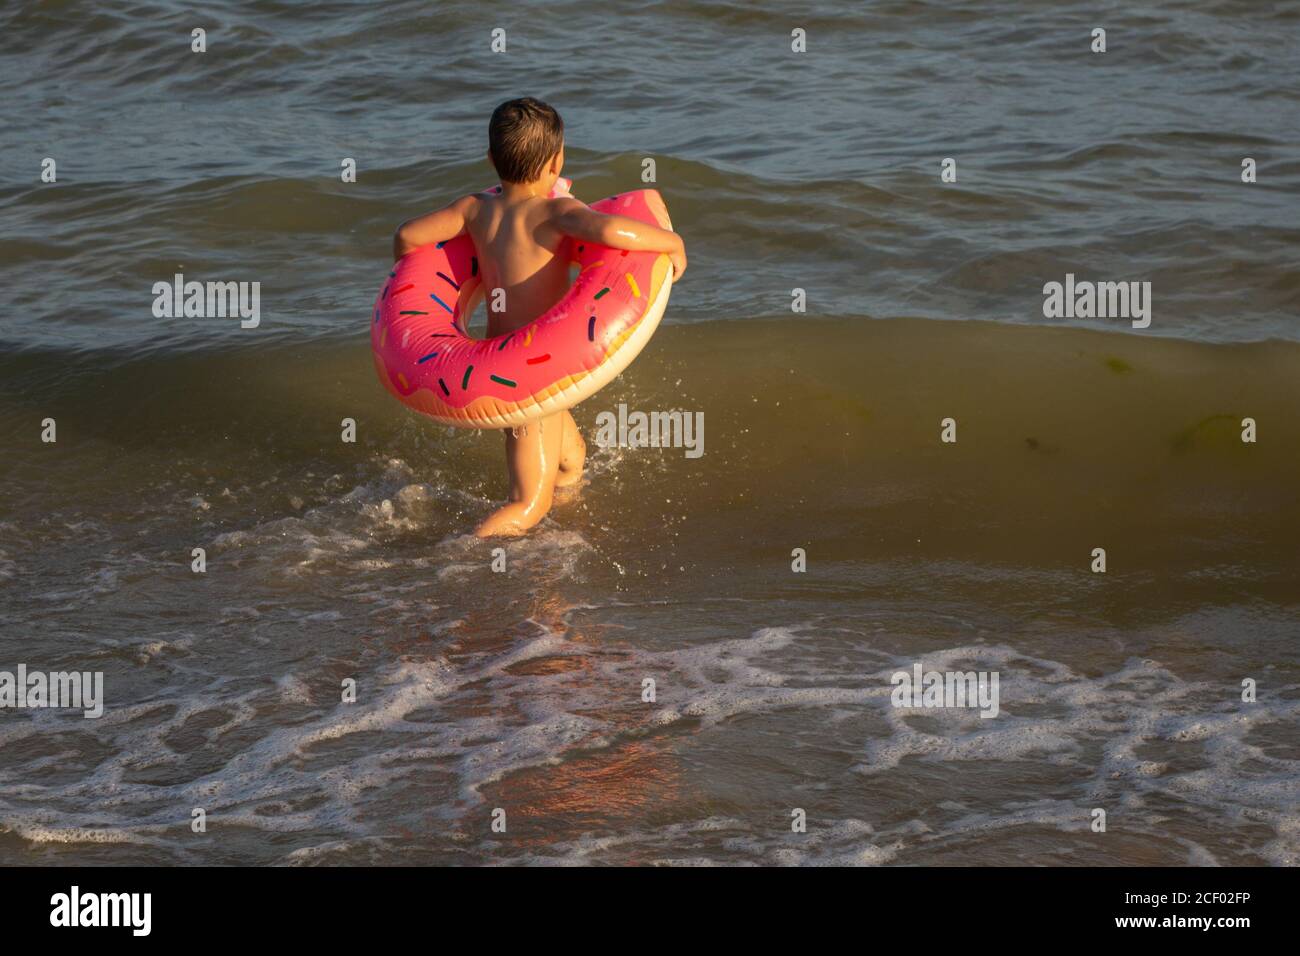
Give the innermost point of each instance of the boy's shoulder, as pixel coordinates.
(467, 206)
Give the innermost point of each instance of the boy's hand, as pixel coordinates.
(678, 258)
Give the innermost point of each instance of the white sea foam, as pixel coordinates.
(443, 731)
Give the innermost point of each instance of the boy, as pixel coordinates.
(518, 234)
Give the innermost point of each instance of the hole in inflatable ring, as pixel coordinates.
(477, 325)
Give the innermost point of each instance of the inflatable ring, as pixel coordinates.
(427, 360)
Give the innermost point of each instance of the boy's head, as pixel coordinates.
(524, 137)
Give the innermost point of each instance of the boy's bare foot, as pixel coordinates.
(510, 521)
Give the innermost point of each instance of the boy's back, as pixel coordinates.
(518, 247)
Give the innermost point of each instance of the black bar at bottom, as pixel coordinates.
(330, 906)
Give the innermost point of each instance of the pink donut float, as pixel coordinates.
(425, 357)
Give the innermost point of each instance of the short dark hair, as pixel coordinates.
(524, 135)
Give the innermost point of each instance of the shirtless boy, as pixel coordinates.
(518, 234)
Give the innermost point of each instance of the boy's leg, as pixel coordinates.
(533, 460)
(573, 452)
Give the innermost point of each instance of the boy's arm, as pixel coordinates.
(446, 223)
(619, 232)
